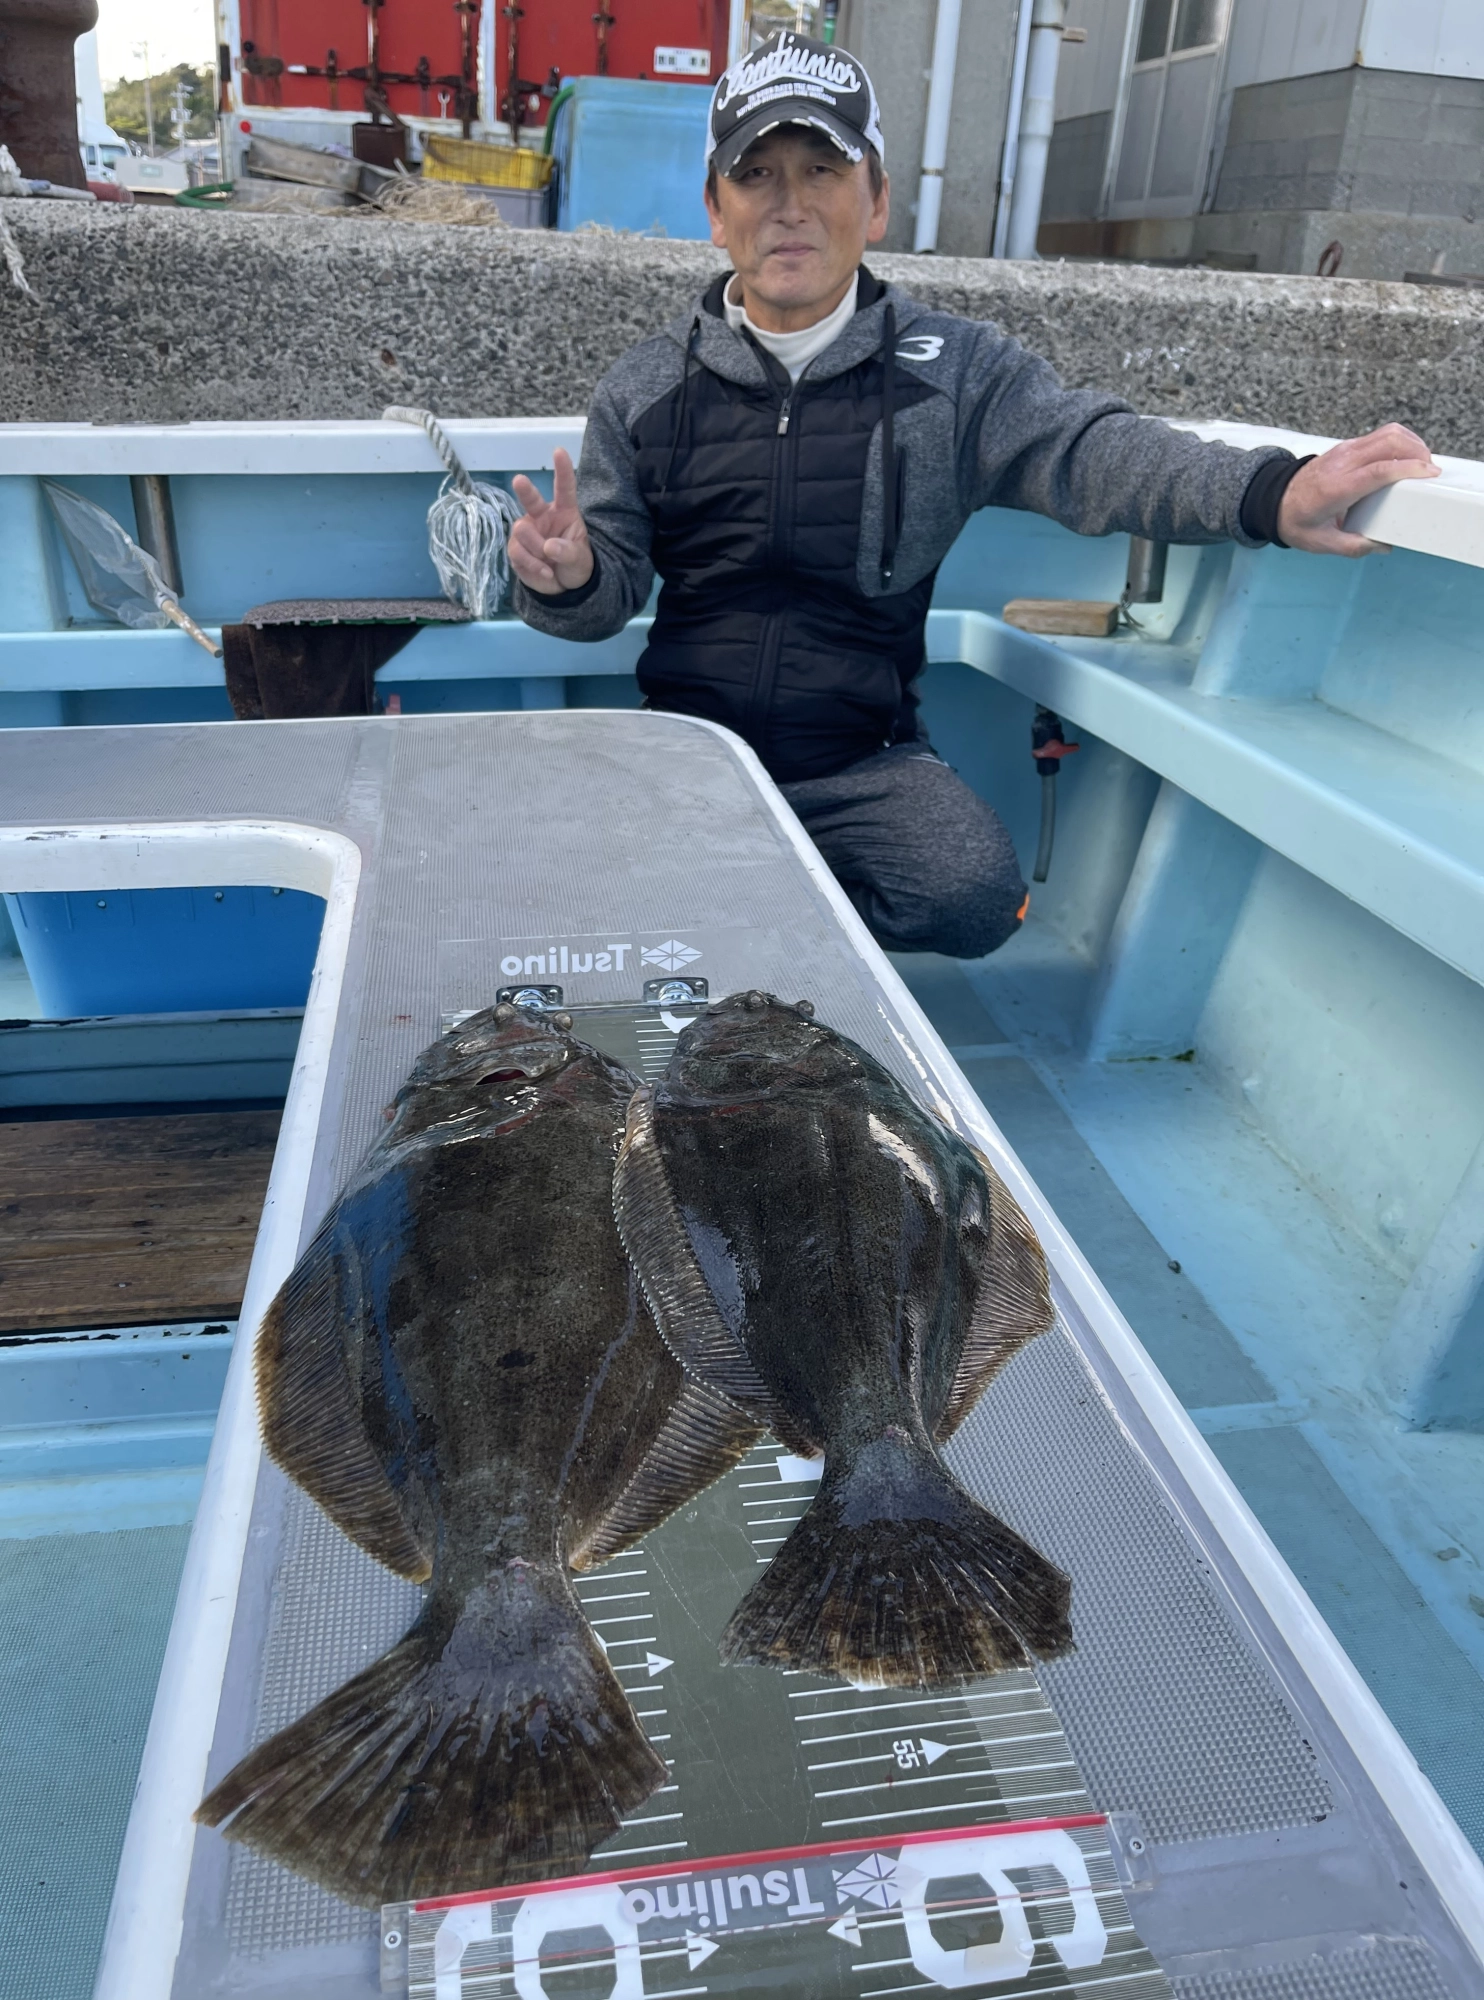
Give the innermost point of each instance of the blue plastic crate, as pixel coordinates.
(632, 156)
(167, 951)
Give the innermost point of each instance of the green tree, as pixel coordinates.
(124, 105)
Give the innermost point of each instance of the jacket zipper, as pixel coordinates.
(780, 549)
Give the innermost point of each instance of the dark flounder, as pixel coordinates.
(845, 1269)
(461, 1371)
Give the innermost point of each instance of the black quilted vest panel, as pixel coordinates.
(762, 624)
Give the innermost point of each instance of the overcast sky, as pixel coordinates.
(176, 31)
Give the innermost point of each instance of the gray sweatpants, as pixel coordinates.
(927, 863)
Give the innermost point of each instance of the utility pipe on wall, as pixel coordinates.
(1037, 117)
(736, 31)
(935, 138)
(1011, 154)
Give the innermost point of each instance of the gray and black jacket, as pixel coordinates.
(797, 531)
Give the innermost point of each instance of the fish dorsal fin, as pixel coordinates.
(684, 1307)
(1011, 1305)
(311, 1414)
(703, 1437)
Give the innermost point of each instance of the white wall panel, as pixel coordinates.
(1277, 38)
(1271, 39)
(1087, 77)
(1437, 37)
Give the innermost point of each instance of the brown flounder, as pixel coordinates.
(462, 1372)
(845, 1269)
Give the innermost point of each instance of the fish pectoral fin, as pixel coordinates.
(683, 1304)
(311, 1416)
(703, 1437)
(1012, 1304)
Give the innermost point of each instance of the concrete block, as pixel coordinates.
(1456, 90)
(1399, 115)
(1303, 153)
(1381, 192)
(166, 315)
(1455, 124)
(1415, 87)
(1442, 197)
(1320, 91)
(1320, 190)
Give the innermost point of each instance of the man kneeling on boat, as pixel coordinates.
(795, 456)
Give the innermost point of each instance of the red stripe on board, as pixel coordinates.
(708, 1864)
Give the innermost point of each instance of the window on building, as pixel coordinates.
(1167, 29)
(1154, 30)
(1168, 111)
(1198, 24)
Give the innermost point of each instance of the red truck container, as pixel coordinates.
(429, 58)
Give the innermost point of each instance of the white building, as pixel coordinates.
(1272, 135)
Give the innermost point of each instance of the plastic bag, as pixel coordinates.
(120, 579)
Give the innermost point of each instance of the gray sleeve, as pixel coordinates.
(1087, 460)
(620, 528)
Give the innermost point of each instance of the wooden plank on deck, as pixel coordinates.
(127, 1221)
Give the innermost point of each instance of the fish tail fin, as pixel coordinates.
(491, 1745)
(898, 1578)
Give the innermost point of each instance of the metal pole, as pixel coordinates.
(935, 138)
(1037, 117)
(1010, 158)
(1145, 583)
(154, 525)
(736, 30)
(142, 51)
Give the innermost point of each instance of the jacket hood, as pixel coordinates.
(704, 333)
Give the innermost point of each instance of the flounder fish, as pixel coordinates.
(839, 1264)
(462, 1372)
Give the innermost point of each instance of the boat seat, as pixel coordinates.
(1397, 828)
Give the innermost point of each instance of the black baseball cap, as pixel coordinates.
(791, 80)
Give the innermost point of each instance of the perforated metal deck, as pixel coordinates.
(1274, 1837)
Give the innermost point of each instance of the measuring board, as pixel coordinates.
(821, 1793)
(815, 1838)
(1271, 1836)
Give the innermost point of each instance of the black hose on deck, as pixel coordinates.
(1048, 746)
(1048, 829)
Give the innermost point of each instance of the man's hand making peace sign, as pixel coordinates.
(549, 549)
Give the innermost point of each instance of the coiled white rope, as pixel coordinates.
(468, 525)
(12, 183)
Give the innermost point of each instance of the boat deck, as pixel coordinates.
(1264, 1316)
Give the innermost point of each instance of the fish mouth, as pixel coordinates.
(751, 1042)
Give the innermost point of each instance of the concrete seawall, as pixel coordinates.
(160, 314)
